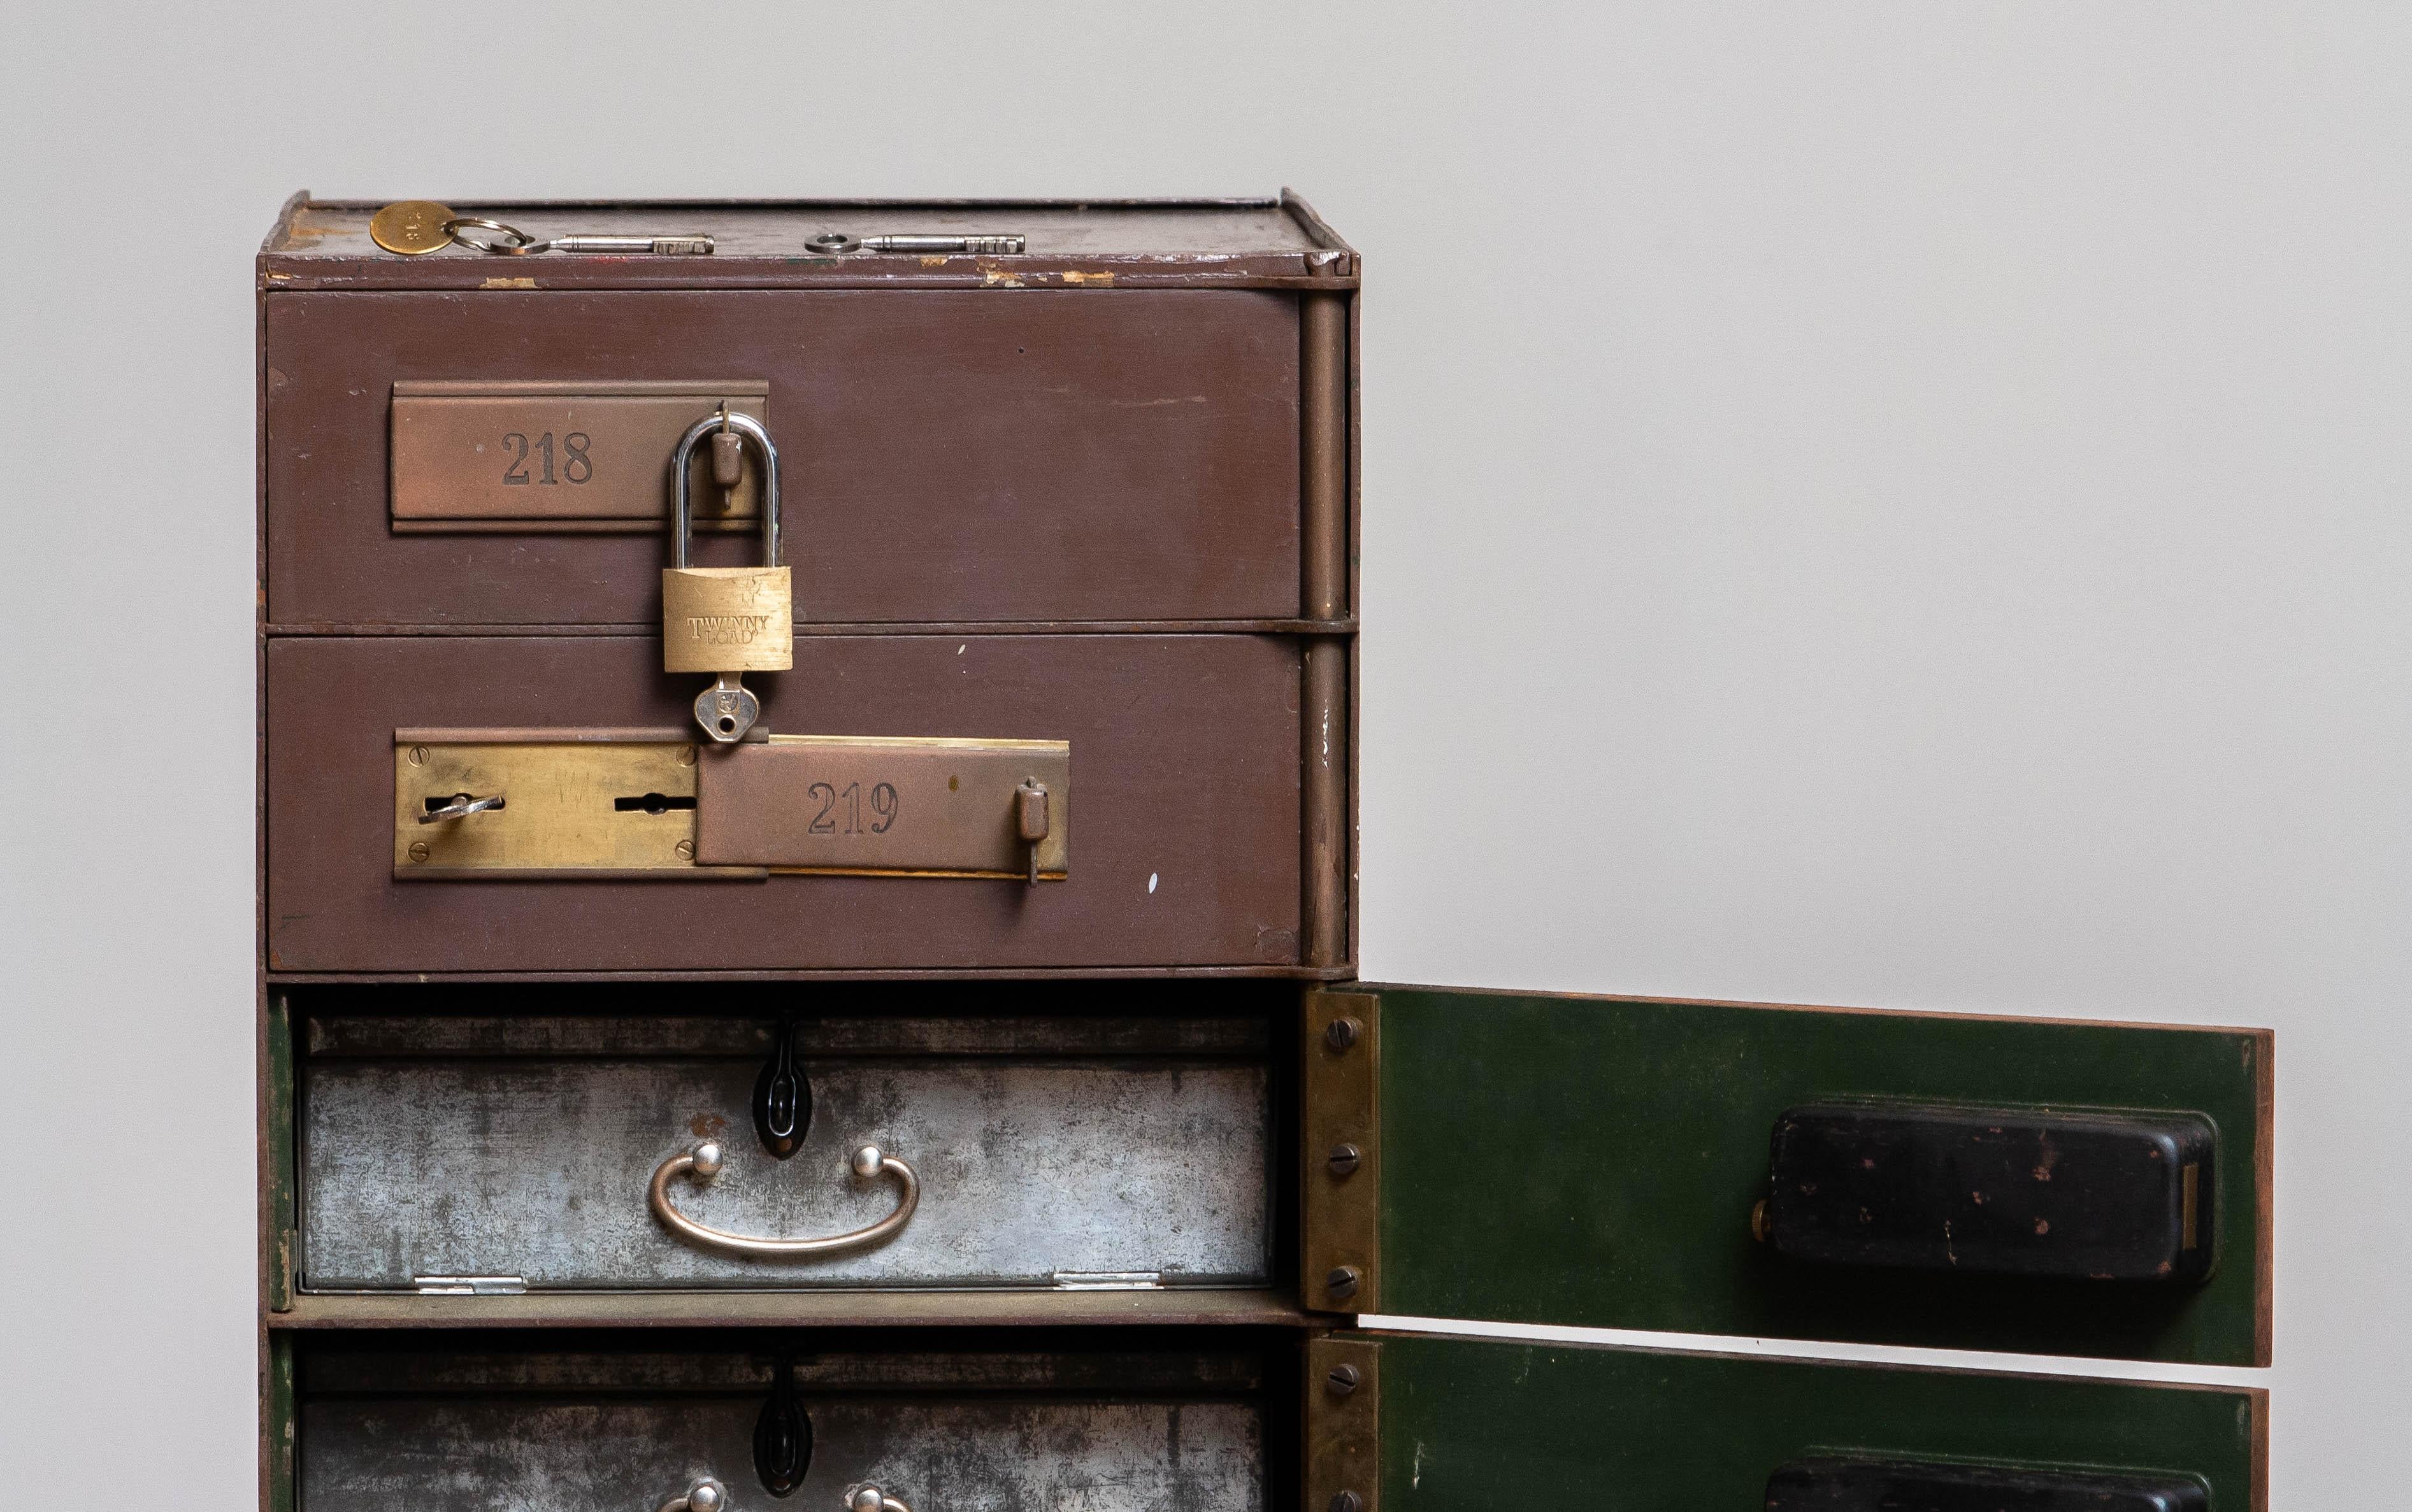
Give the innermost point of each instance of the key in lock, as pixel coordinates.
(726, 620)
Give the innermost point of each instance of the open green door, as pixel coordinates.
(1398, 1422)
(1949, 1182)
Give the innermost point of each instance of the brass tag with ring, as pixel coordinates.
(415, 227)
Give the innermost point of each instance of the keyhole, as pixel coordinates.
(651, 804)
(783, 1436)
(783, 1098)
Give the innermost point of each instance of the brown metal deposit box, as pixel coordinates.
(807, 948)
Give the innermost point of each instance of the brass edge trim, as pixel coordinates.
(864, 871)
(591, 874)
(578, 389)
(1338, 1223)
(1344, 1423)
(528, 734)
(924, 742)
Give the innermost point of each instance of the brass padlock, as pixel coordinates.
(726, 620)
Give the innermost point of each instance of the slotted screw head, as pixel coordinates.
(1342, 1032)
(1342, 1380)
(1342, 1282)
(1343, 1159)
(1348, 1501)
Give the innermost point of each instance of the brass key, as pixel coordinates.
(415, 227)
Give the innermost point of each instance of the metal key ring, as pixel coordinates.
(519, 243)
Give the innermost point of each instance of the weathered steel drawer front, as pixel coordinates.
(949, 456)
(1076, 1151)
(605, 1430)
(1188, 751)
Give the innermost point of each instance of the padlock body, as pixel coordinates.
(728, 619)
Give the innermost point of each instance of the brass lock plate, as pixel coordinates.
(555, 804)
(573, 456)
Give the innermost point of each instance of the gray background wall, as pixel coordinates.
(1875, 504)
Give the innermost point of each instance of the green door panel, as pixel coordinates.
(1594, 1161)
(1483, 1423)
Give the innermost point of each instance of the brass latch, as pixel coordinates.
(499, 805)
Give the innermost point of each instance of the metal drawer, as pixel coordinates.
(1185, 850)
(543, 1151)
(600, 1425)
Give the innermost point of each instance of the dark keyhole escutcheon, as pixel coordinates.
(783, 1099)
(783, 1436)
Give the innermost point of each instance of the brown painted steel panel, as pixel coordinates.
(1187, 750)
(1006, 455)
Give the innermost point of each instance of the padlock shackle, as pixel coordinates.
(681, 509)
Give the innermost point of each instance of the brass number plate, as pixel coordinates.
(504, 804)
(868, 804)
(579, 457)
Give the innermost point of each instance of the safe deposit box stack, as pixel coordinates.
(807, 949)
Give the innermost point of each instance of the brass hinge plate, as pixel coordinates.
(506, 804)
(1341, 1152)
(1343, 1424)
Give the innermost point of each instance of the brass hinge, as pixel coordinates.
(1341, 1144)
(1343, 1424)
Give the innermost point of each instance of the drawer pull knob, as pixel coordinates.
(703, 1162)
(871, 1499)
(705, 1495)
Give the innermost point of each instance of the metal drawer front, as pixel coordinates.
(1190, 812)
(1048, 1154)
(1017, 1432)
(957, 455)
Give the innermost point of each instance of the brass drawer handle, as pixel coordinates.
(705, 1495)
(703, 1162)
(871, 1499)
